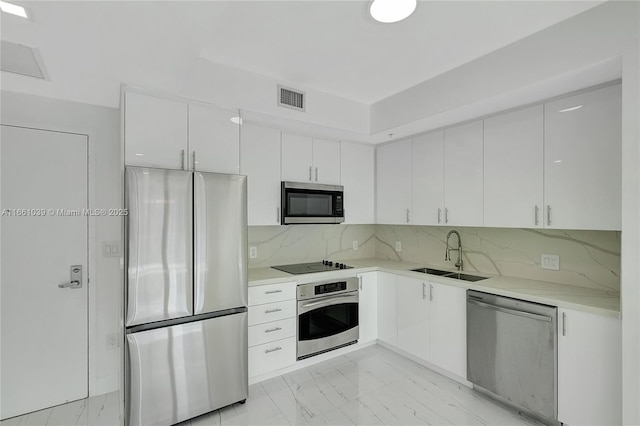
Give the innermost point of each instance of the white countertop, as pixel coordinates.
(560, 295)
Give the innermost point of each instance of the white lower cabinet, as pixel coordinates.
(368, 307)
(413, 317)
(387, 309)
(272, 327)
(589, 369)
(448, 328)
(272, 356)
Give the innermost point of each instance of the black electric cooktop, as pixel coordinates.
(308, 268)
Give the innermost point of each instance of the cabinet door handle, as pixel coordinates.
(272, 350)
(536, 210)
(439, 215)
(271, 311)
(407, 215)
(193, 160)
(316, 174)
(548, 214)
(310, 168)
(182, 159)
(271, 330)
(424, 290)
(360, 281)
(446, 215)
(273, 291)
(431, 292)
(278, 215)
(564, 323)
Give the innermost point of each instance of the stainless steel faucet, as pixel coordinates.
(447, 255)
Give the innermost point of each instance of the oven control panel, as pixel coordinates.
(319, 289)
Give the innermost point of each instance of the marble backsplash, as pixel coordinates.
(587, 258)
(278, 245)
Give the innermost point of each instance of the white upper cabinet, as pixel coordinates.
(326, 161)
(428, 179)
(393, 183)
(357, 162)
(260, 161)
(155, 131)
(513, 174)
(297, 158)
(213, 140)
(583, 160)
(310, 160)
(172, 134)
(463, 175)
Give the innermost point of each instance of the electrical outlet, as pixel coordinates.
(112, 341)
(398, 246)
(253, 252)
(355, 244)
(550, 261)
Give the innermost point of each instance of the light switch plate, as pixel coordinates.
(355, 244)
(111, 249)
(550, 261)
(253, 252)
(398, 246)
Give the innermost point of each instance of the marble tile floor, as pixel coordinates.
(371, 386)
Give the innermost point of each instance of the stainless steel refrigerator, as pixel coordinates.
(186, 294)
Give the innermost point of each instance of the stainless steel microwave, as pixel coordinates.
(304, 203)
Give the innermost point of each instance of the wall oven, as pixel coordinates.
(311, 203)
(327, 316)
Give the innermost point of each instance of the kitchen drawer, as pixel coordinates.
(270, 331)
(272, 356)
(262, 294)
(272, 312)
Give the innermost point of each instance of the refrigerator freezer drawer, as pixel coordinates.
(159, 249)
(183, 371)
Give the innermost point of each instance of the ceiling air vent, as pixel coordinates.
(23, 60)
(290, 98)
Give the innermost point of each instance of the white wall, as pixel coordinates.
(102, 125)
(227, 86)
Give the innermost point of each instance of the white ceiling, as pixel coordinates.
(90, 47)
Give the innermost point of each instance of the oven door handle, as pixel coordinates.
(305, 307)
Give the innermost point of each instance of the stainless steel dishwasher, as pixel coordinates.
(512, 352)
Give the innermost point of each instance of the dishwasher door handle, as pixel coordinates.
(511, 311)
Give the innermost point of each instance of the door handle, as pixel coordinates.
(193, 160)
(446, 215)
(316, 174)
(310, 168)
(431, 292)
(182, 159)
(548, 215)
(536, 215)
(424, 287)
(75, 279)
(439, 215)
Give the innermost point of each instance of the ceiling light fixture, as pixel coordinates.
(14, 9)
(389, 11)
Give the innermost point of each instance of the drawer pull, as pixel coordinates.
(271, 330)
(273, 291)
(271, 311)
(273, 350)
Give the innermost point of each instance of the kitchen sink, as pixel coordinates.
(465, 277)
(432, 271)
(449, 274)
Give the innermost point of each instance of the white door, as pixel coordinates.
(44, 327)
